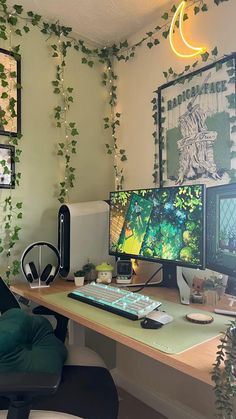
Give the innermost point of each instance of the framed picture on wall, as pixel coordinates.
(197, 125)
(10, 93)
(7, 166)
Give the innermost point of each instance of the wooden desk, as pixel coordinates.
(195, 362)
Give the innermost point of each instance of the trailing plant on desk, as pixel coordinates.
(80, 273)
(223, 373)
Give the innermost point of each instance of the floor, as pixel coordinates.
(132, 408)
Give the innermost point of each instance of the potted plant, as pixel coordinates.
(90, 272)
(223, 373)
(214, 288)
(79, 277)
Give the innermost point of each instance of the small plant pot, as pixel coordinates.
(211, 297)
(79, 281)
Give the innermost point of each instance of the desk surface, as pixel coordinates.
(196, 362)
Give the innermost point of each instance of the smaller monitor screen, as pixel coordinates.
(221, 229)
(160, 224)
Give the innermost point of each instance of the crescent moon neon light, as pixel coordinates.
(195, 50)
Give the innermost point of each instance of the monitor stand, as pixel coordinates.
(172, 277)
(184, 288)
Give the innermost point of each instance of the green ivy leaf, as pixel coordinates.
(165, 34)
(18, 32)
(205, 56)
(18, 8)
(165, 16)
(74, 132)
(204, 8)
(214, 51)
(12, 20)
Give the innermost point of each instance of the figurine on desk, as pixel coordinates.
(104, 273)
(197, 294)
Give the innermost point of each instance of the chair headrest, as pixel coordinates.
(28, 344)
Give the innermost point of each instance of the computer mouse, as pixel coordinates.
(156, 319)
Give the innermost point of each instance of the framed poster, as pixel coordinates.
(10, 93)
(197, 125)
(7, 166)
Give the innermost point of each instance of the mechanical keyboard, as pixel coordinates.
(118, 301)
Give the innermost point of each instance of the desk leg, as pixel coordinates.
(76, 334)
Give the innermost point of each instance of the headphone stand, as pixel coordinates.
(38, 285)
(40, 277)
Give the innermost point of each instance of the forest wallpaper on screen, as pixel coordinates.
(164, 224)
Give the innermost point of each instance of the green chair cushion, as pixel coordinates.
(28, 344)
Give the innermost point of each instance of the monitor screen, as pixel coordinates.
(160, 224)
(221, 229)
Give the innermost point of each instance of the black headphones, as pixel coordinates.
(29, 269)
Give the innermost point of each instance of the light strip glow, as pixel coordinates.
(180, 12)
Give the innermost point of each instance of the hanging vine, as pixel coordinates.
(67, 129)
(11, 210)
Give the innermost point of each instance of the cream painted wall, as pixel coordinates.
(39, 164)
(138, 79)
(141, 76)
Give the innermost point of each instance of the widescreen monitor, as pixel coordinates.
(221, 229)
(164, 225)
